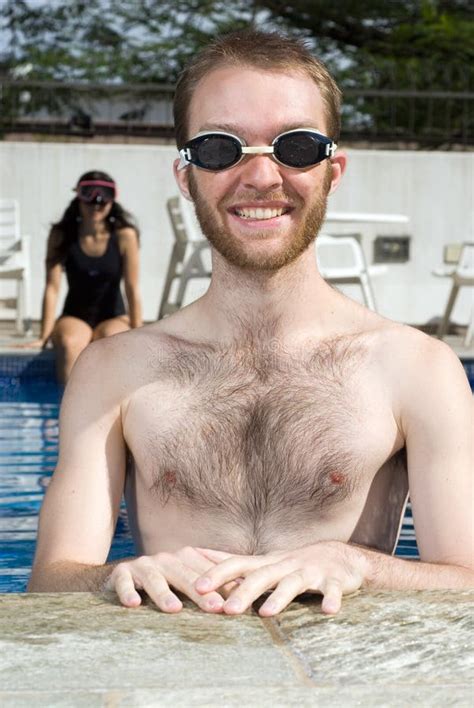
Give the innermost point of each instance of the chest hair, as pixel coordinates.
(258, 436)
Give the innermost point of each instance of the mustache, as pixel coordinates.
(264, 197)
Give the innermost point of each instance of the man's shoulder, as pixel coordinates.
(413, 364)
(387, 337)
(411, 347)
(126, 359)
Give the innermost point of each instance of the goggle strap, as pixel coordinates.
(96, 183)
(185, 158)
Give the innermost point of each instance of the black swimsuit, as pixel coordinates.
(94, 284)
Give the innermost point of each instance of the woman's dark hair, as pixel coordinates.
(65, 231)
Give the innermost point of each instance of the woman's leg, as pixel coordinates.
(70, 336)
(112, 326)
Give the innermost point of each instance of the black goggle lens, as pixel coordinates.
(217, 152)
(93, 194)
(299, 149)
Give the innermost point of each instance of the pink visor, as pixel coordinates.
(96, 191)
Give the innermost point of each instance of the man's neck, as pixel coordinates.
(278, 304)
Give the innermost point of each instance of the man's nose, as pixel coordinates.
(261, 172)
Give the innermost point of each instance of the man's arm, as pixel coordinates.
(436, 418)
(435, 413)
(81, 505)
(79, 512)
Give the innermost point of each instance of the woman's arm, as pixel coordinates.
(50, 294)
(50, 299)
(128, 243)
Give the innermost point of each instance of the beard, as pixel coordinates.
(235, 252)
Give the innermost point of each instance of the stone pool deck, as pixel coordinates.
(383, 649)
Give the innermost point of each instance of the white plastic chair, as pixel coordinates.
(341, 261)
(15, 262)
(186, 260)
(462, 275)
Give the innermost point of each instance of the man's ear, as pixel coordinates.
(338, 164)
(182, 179)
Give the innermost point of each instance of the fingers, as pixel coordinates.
(195, 560)
(126, 578)
(155, 575)
(288, 583)
(192, 558)
(256, 583)
(332, 596)
(287, 589)
(183, 579)
(28, 345)
(156, 586)
(218, 581)
(121, 580)
(215, 556)
(234, 567)
(295, 584)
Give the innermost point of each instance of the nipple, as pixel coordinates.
(337, 478)
(169, 478)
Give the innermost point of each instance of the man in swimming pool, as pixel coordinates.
(267, 425)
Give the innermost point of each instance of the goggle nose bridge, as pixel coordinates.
(258, 150)
(97, 192)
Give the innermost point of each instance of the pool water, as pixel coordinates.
(28, 453)
(29, 409)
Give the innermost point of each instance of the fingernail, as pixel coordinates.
(268, 608)
(132, 598)
(214, 604)
(203, 583)
(172, 602)
(233, 605)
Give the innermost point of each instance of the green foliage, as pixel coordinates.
(147, 40)
(368, 44)
(113, 40)
(407, 35)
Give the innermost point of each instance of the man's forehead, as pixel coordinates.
(239, 129)
(241, 99)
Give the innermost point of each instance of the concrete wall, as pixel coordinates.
(436, 191)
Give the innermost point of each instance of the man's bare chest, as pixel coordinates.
(258, 441)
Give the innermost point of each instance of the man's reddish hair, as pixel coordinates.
(269, 51)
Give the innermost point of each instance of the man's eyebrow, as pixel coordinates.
(237, 130)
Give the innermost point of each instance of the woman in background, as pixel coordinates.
(96, 243)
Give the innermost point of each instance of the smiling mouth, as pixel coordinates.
(261, 213)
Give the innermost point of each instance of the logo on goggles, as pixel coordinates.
(96, 191)
(217, 150)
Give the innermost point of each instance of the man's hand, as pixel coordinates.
(332, 569)
(156, 574)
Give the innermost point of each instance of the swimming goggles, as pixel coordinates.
(96, 191)
(216, 150)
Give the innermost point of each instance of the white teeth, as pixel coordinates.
(259, 213)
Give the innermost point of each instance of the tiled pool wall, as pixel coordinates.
(28, 377)
(28, 365)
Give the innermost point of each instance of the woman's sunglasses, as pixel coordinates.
(216, 150)
(96, 191)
